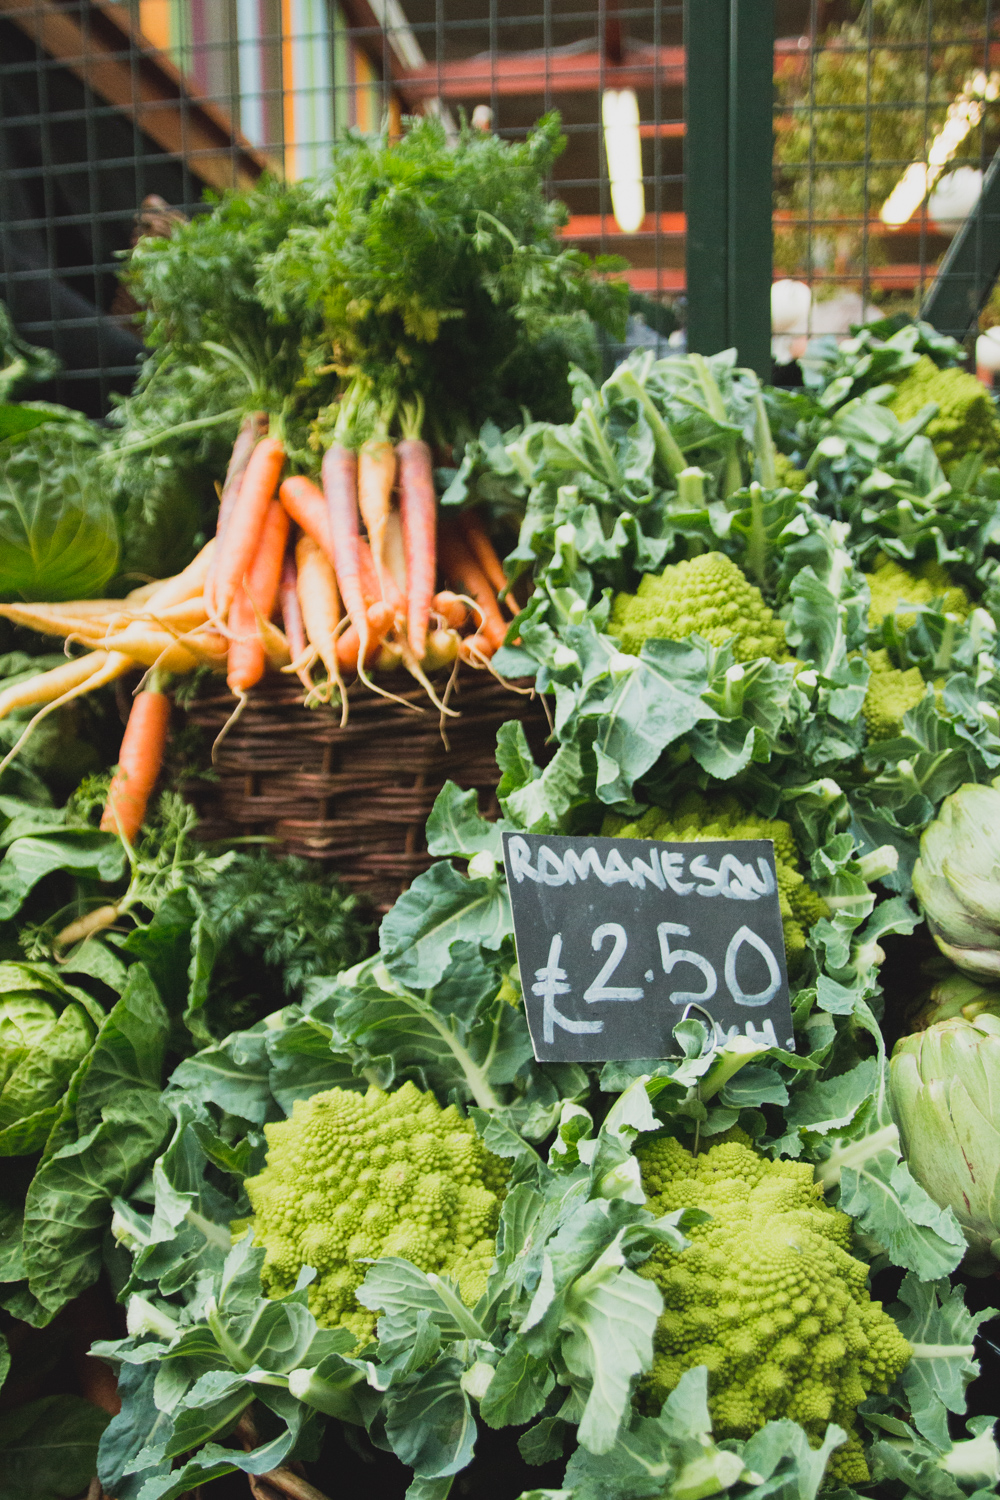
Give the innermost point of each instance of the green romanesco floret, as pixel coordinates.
(789, 476)
(891, 693)
(892, 585)
(351, 1177)
(966, 420)
(697, 817)
(707, 596)
(767, 1296)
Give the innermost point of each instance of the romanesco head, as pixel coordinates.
(789, 476)
(696, 817)
(350, 1177)
(892, 585)
(891, 693)
(767, 1296)
(966, 420)
(707, 596)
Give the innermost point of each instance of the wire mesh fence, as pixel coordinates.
(118, 115)
(887, 118)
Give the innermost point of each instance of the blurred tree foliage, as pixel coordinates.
(875, 97)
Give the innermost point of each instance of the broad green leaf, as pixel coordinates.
(519, 1388)
(233, 1074)
(48, 1448)
(458, 1040)
(114, 1103)
(439, 909)
(941, 1330)
(38, 1081)
(610, 1322)
(647, 709)
(542, 803)
(455, 826)
(29, 860)
(429, 1422)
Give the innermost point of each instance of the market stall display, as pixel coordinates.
(343, 1206)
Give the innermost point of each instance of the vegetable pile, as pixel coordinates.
(349, 1230)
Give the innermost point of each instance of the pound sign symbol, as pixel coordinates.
(551, 981)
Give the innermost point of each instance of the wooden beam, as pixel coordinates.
(902, 278)
(652, 279)
(603, 226)
(96, 41)
(524, 73)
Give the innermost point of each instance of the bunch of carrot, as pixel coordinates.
(349, 598)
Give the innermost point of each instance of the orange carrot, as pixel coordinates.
(246, 522)
(418, 514)
(306, 505)
(474, 647)
(452, 610)
(139, 762)
(370, 586)
(340, 487)
(251, 429)
(247, 655)
(379, 618)
(482, 549)
(376, 477)
(376, 588)
(291, 610)
(458, 564)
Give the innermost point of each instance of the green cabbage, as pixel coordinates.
(45, 1033)
(58, 537)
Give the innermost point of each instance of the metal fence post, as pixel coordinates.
(727, 177)
(706, 200)
(751, 151)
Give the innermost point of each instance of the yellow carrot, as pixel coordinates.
(158, 648)
(46, 686)
(319, 602)
(186, 585)
(113, 665)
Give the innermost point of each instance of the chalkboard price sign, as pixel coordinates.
(615, 937)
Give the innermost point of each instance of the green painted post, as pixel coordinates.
(727, 183)
(706, 201)
(751, 151)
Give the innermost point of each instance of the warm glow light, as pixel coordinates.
(623, 146)
(964, 113)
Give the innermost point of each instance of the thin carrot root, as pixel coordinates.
(234, 717)
(416, 670)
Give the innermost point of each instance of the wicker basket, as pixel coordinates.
(356, 797)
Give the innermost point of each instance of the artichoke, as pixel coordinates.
(944, 1089)
(955, 995)
(957, 879)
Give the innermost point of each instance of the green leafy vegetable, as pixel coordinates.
(58, 536)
